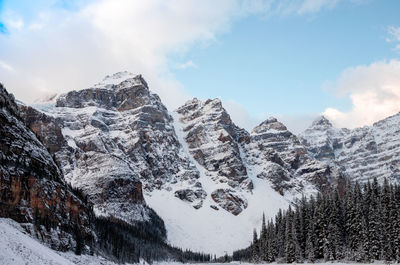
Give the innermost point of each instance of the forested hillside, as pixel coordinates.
(362, 224)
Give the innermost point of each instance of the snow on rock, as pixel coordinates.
(212, 140)
(118, 140)
(207, 178)
(282, 159)
(32, 189)
(361, 153)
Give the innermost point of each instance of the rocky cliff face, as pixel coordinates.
(228, 154)
(117, 138)
(118, 143)
(213, 142)
(361, 153)
(32, 189)
(212, 139)
(281, 158)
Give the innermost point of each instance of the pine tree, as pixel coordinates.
(255, 248)
(263, 240)
(361, 225)
(310, 249)
(290, 241)
(374, 228)
(319, 228)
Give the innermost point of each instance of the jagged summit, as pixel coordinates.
(120, 91)
(362, 153)
(321, 122)
(195, 103)
(268, 125)
(121, 80)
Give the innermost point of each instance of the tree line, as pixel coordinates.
(359, 224)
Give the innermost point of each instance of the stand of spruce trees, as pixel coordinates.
(123, 242)
(362, 224)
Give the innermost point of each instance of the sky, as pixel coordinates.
(292, 59)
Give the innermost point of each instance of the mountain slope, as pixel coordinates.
(116, 138)
(281, 158)
(32, 189)
(199, 171)
(361, 153)
(18, 248)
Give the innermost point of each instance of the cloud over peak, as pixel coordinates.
(374, 91)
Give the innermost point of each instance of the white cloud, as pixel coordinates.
(6, 66)
(57, 50)
(312, 6)
(297, 123)
(240, 116)
(185, 65)
(74, 49)
(394, 36)
(374, 91)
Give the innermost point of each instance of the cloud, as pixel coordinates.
(56, 48)
(394, 36)
(185, 65)
(297, 123)
(6, 66)
(312, 6)
(240, 116)
(59, 50)
(374, 91)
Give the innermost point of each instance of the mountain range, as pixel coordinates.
(208, 179)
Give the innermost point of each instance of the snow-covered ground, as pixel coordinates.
(208, 230)
(18, 248)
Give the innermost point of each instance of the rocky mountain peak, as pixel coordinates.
(121, 91)
(121, 79)
(269, 125)
(362, 153)
(321, 123)
(116, 139)
(7, 100)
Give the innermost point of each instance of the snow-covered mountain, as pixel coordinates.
(361, 153)
(207, 178)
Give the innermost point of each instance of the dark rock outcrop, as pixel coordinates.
(32, 189)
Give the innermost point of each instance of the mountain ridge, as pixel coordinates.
(117, 135)
(194, 158)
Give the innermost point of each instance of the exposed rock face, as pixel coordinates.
(118, 136)
(361, 153)
(121, 91)
(45, 127)
(230, 155)
(276, 154)
(213, 141)
(195, 197)
(31, 186)
(229, 200)
(321, 139)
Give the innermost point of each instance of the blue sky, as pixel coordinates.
(281, 64)
(294, 59)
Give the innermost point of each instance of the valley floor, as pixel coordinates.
(18, 248)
